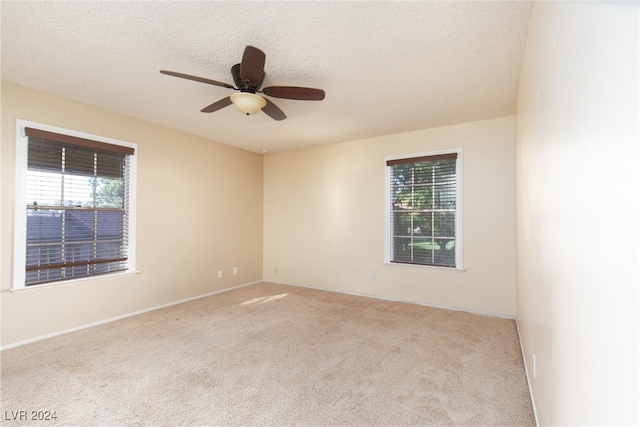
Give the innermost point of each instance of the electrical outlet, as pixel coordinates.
(219, 274)
(235, 271)
(276, 271)
(372, 277)
(534, 368)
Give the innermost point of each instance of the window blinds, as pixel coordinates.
(423, 210)
(77, 207)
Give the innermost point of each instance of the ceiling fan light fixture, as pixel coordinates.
(248, 103)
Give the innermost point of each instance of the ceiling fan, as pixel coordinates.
(248, 77)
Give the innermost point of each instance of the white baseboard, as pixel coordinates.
(444, 307)
(526, 371)
(124, 316)
(135, 313)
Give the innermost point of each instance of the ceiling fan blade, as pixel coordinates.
(273, 111)
(252, 66)
(197, 79)
(217, 105)
(294, 92)
(235, 73)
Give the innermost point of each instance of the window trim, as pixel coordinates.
(20, 214)
(459, 208)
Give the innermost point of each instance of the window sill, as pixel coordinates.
(426, 267)
(72, 281)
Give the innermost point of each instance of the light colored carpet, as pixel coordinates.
(271, 354)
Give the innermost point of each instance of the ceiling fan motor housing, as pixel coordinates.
(244, 85)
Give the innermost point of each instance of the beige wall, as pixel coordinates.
(199, 210)
(324, 218)
(577, 212)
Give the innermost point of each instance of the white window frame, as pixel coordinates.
(459, 209)
(20, 200)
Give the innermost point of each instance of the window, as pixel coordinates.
(74, 205)
(424, 210)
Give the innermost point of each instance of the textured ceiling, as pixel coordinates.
(386, 67)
